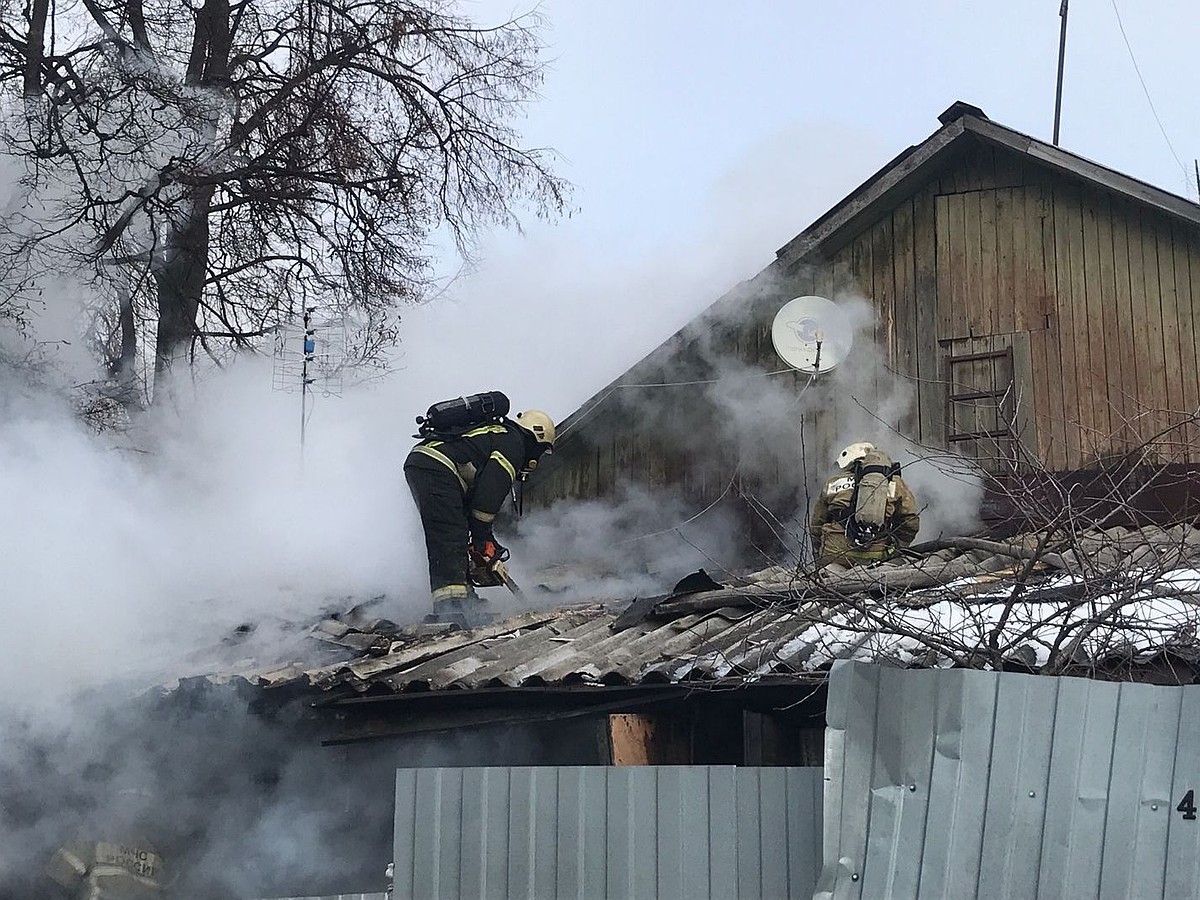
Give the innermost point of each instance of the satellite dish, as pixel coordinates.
(811, 334)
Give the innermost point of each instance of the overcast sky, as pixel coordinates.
(701, 136)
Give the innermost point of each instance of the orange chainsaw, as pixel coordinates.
(489, 569)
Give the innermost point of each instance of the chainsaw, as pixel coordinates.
(491, 571)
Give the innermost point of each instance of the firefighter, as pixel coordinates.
(124, 865)
(107, 871)
(459, 483)
(866, 513)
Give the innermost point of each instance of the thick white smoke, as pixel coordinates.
(133, 556)
(769, 437)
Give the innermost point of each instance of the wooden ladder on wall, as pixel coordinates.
(980, 391)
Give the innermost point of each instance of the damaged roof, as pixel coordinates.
(1120, 599)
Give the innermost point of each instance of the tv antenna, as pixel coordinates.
(309, 358)
(811, 334)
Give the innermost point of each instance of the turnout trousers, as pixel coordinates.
(440, 502)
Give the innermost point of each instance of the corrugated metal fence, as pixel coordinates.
(647, 832)
(963, 784)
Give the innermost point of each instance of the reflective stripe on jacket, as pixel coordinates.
(832, 508)
(485, 460)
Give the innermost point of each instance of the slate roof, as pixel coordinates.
(1126, 598)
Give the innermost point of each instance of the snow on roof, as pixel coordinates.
(1118, 598)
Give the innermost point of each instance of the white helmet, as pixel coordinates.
(539, 424)
(853, 453)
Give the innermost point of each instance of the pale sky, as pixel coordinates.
(701, 136)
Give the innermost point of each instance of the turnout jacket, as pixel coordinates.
(832, 508)
(484, 460)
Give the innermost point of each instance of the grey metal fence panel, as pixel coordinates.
(582, 832)
(960, 784)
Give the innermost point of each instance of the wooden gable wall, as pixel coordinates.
(996, 272)
(1095, 296)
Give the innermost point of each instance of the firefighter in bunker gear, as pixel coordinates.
(119, 860)
(865, 513)
(459, 483)
(91, 870)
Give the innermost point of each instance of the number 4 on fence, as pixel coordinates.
(1187, 805)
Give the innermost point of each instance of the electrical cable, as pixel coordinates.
(650, 384)
(1146, 91)
(736, 469)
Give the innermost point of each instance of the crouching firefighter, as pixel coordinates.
(866, 513)
(460, 473)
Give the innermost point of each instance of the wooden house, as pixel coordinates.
(1036, 305)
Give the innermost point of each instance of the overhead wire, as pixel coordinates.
(657, 384)
(756, 506)
(1149, 100)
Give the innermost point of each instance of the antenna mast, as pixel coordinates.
(1062, 56)
(310, 346)
(300, 364)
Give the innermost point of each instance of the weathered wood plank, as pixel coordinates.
(1082, 409)
(823, 279)
(884, 293)
(1113, 378)
(973, 257)
(1025, 379)
(959, 419)
(845, 284)
(1029, 280)
(1092, 384)
(805, 281)
(1172, 358)
(979, 169)
(1010, 211)
(1187, 274)
(929, 391)
(1009, 169)
(1065, 318)
(903, 276)
(985, 298)
(983, 417)
(988, 296)
(1051, 431)
(1153, 402)
(948, 217)
(1126, 387)
(1142, 384)
(1188, 362)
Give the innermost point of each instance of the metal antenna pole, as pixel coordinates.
(305, 381)
(297, 362)
(1062, 56)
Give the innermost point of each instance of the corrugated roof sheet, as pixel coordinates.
(945, 608)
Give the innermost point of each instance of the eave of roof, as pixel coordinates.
(902, 175)
(914, 166)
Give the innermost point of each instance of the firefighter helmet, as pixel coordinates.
(853, 453)
(539, 424)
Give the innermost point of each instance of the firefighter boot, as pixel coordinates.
(465, 612)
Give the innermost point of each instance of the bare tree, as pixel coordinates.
(215, 167)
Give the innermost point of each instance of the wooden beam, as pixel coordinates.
(636, 739)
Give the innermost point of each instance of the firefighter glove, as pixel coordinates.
(481, 534)
(488, 551)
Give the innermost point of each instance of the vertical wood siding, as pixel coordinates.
(1096, 295)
